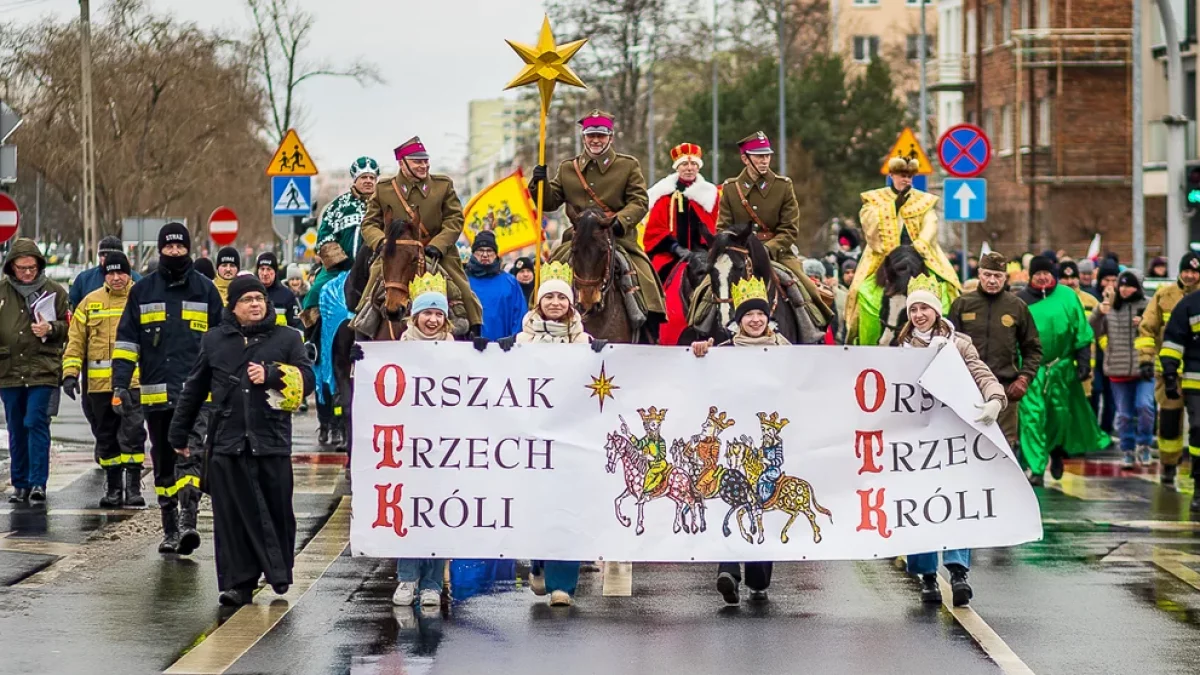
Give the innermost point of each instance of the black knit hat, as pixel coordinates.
(485, 239)
(228, 255)
(1041, 263)
(1107, 268)
(1190, 261)
(243, 284)
(747, 305)
(523, 263)
(268, 259)
(204, 266)
(109, 244)
(1068, 269)
(115, 261)
(174, 233)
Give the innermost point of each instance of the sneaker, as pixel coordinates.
(1167, 478)
(560, 599)
(279, 589)
(235, 597)
(1143, 455)
(758, 597)
(1056, 465)
(19, 496)
(1037, 480)
(1129, 461)
(931, 594)
(406, 592)
(37, 494)
(727, 586)
(960, 586)
(431, 598)
(537, 582)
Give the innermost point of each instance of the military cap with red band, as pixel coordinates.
(597, 122)
(413, 148)
(756, 144)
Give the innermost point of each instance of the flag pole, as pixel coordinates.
(546, 65)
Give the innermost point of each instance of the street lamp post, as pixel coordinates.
(716, 108)
(782, 95)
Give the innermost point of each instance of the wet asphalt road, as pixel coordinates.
(1114, 587)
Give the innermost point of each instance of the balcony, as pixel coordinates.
(951, 72)
(1057, 47)
(1156, 142)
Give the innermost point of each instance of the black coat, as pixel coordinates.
(242, 413)
(287, 307)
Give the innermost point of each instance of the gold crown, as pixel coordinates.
(774, 420)
(925, 282)
(653, 414)
(749, 289)
(719, 421)
(426, 283)
(557, 270)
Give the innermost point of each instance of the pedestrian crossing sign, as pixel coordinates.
(292, 158)
(291, 195)
(908, 146)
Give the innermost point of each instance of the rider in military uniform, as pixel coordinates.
(600, 177)
(757, 195)
(428, 199)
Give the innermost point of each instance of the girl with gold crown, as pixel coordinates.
(927, 328)
(422, 579)
(553, 320)
(752, 327)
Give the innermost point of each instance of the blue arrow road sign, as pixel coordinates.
(291, 195)
(965, 199)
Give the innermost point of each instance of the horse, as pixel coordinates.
(599, 295)
(792, 495)
(882, 306)
(736, 255)
(677, 487)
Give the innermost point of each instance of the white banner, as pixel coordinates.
(651, 454)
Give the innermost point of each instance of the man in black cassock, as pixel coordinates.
(258, 373)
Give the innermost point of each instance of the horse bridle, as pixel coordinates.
(603, 282)
(400, 286)
(749, 274)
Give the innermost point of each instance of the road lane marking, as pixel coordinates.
(217, 652)
(23, 545)
(618, 579)
(1091, 489)
(987, 639)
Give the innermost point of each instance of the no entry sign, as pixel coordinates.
(964, 150)
(10, 217)
(223, 226)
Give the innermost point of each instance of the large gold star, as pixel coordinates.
(602, 387)
(546, 63)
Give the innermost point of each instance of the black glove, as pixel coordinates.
(538, 176)
(682, 253)
(479, 342)
(599, 344)
(122, 402)
(356, 353)
(1146, 370)
(70, 386)
(1171, 385)
(618, 228)
(434, 252)
(475, 330)
(507, 343)
(1084, 371)
(310, 348)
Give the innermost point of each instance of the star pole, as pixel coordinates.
(545, 64)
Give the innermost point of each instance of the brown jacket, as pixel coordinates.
(772, 198)
(615, 178)
(1002, 330)
(433, 198)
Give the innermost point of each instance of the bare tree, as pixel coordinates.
(281, 35)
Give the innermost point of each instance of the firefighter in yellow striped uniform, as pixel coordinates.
(1149, 343)
(120, 439)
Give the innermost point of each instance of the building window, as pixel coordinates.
(1006, 128)
(914, 105)
(918, 3)
(866, 48)
(1043, 133)
(912, 47)
(1026, 8)
(989, 123)
(1026, 122)
(1043, 14)
(866, 3)
(989, 27)
(1005, 20)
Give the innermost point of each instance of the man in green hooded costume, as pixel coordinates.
(1055, 417)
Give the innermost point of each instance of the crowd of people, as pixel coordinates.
(206, 362)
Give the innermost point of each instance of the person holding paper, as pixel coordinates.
(927, 328)
(33, 330)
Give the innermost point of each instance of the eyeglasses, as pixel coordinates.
(26, 268)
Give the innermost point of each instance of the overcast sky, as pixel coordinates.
(436, 55)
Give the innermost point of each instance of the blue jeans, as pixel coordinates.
(428, 573)
(27, 411)
(1135, 412)
(561, 576)
(926, 563)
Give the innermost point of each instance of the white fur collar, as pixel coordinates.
(701, 191)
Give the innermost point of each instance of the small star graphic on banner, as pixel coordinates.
(602, 387)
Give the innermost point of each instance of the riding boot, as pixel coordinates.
(189, 504)
(170, 525)
(323, 437)
(115, 477)
(133, 486)
(337, 435)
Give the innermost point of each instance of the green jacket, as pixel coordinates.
(26, 361)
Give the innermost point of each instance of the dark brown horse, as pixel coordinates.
(598, 294)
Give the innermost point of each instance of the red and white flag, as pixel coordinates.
(1093, 251)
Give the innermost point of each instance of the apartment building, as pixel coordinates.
(493, 129)
(865, 30)
(1050, 83)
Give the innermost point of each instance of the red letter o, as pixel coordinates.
(381, 385)
(860, 392)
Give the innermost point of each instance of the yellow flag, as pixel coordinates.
(504, 207)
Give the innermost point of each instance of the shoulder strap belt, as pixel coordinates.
(753, 215)
(413, 216)
(608, 212)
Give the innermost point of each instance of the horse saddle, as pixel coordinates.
(770, 503)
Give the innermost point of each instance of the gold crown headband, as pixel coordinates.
(426, 283)
(749, 289)
(653, 414)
